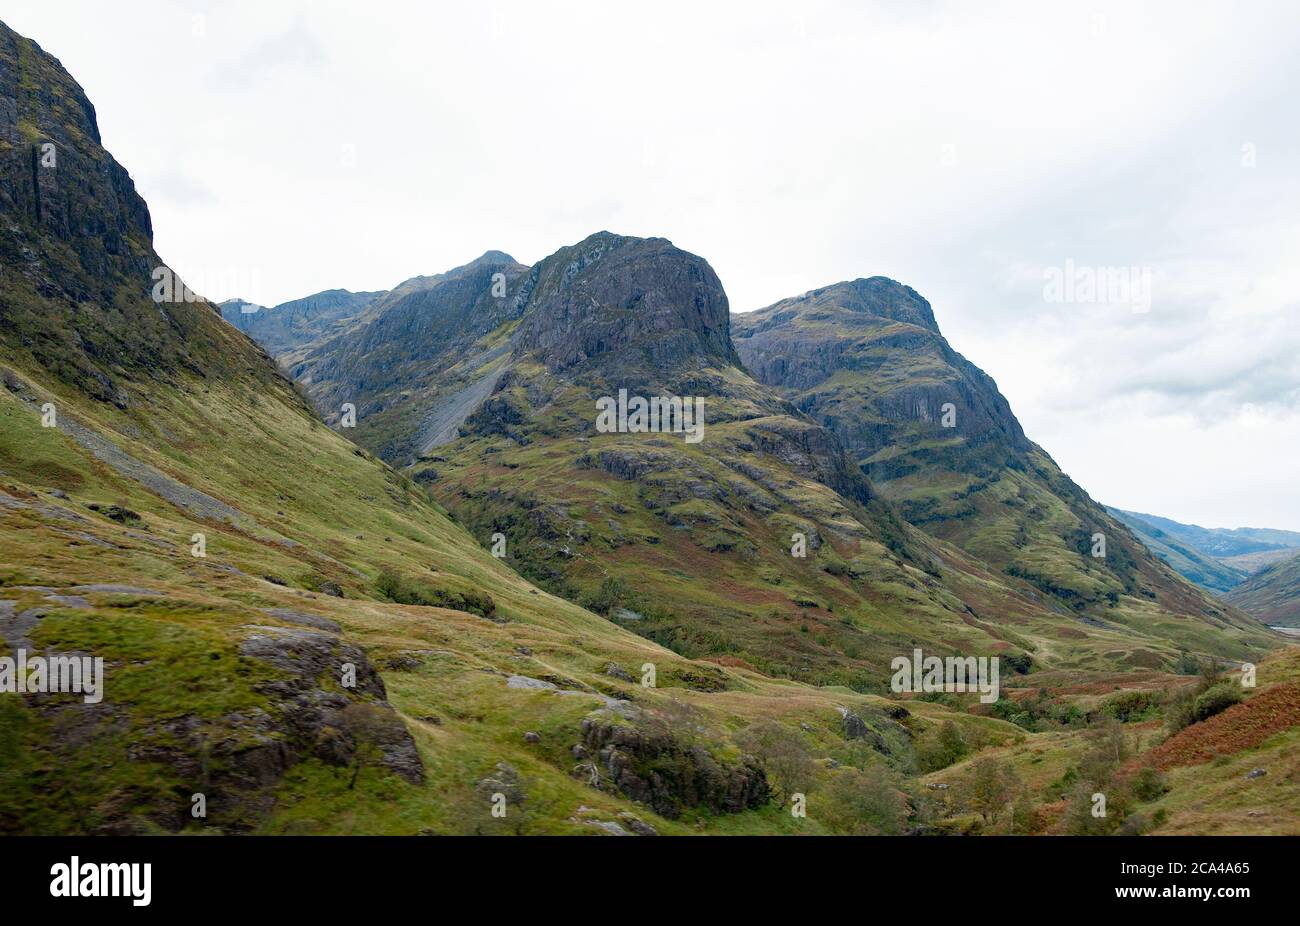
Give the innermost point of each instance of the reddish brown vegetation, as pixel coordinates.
(1241, 726)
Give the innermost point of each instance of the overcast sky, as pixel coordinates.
(977, 152)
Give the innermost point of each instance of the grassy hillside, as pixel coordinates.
(192, 707)
(1162, 769)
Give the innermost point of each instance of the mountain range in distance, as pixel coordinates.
(1247, 565)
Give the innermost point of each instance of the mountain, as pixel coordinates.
(494, 396)
(76, 249)
(386, 364)
(1251, 563)
(1187, 560)
(296, 323)
(296, 638)
(1218, 542)
(866, 360)
(1272, 594)
(342, 657)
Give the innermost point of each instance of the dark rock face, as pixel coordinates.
(884, 334)
(316, 717)
(414, 351)
(669, 776)
(76, 243)
(414, 334)
(866, 361)
(610, 293)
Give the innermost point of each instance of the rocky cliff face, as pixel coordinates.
(866, 360)
(611, 296)
(76, 243)
(411, 354)
(884, 335)
(295, 324)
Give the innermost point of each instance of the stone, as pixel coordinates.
(614, 670)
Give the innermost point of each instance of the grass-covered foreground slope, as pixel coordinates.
(223, 672)
(1170, 756)
(866, 360)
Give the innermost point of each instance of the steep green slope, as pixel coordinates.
(866, 360)
(1272, 594)
(1186, 560)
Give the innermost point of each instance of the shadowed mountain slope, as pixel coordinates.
(866, 360)
(297, 323)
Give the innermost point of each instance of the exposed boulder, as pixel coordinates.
(667, 775)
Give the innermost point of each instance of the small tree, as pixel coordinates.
(991, 787)
(780, 755)
(866, 803)
(941, 748)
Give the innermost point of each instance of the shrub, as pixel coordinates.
(936, 749)
(611, 594)
(780, 754)
(992, 786)
(1130, 706)
(1215, 700)
(1148, 785)
(866, 803)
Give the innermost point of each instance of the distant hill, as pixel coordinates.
(1218, 542)
(1251, 563)
(1273, 594)
(1216, 558)
(297, 323)
(1186, 559)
